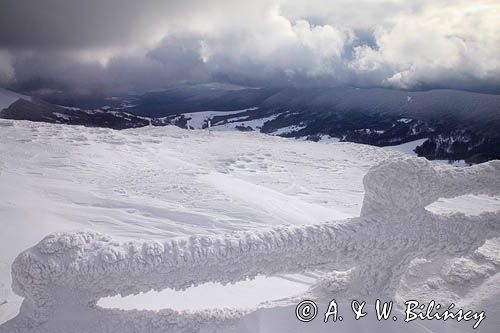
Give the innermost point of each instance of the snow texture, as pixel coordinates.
(63, 277)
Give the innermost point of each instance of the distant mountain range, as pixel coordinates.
(457, 125)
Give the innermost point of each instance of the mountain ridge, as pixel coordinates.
(457, 125)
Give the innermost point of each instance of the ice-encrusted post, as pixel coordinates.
(69, 272)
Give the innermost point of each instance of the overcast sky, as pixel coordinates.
(119, 46)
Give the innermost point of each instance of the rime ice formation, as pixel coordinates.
(67, 273)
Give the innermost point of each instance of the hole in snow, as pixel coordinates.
(243, 294)
(466, 204)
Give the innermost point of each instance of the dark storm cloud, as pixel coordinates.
(76, 24)
(124, 45)
(174, 60)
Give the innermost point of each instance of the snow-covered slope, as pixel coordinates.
(162, 183)
(8, 97)
(157, 182)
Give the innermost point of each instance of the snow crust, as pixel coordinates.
(408, 147)
(70, 272)
(184, 208)
(158, 183)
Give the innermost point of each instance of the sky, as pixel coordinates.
(123, 46)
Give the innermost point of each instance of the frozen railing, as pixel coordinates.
(67, 273)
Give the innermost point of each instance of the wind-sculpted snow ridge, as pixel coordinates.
(67, 273)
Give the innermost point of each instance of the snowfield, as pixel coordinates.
(149, 190)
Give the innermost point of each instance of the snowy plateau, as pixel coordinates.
(163, 229)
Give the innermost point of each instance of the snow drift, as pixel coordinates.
(63, 277)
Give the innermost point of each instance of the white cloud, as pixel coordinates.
(442, 43)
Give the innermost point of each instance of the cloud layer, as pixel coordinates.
(120, 46)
